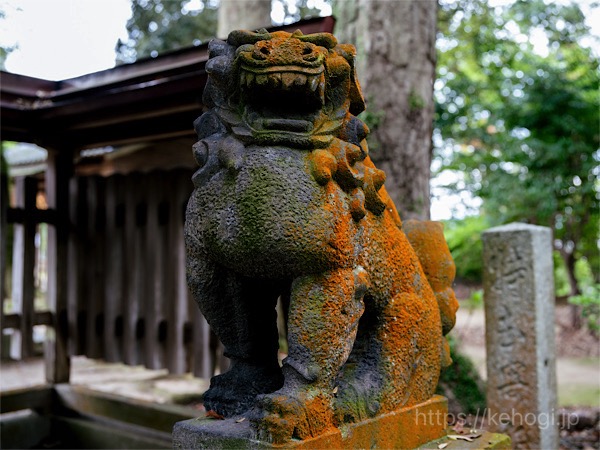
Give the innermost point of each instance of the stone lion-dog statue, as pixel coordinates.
(287, 203)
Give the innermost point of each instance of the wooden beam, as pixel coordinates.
(4, 205)
(26, 429)
(109, 107)
(12, 321)
(21, 215)
(95, 404)
(69, 432)
(39, 397)
(58, 174)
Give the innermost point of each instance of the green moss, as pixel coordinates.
(415, 101)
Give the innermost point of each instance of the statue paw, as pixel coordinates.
(235, 391)
(280, 417)
(355, 403)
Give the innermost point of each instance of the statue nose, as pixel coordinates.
(261, 52)
(309, 52)
(305, 51)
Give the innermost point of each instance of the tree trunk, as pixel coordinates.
(243, 15)
(396, 68)
(569, 260)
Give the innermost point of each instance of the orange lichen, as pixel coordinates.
(288, 202)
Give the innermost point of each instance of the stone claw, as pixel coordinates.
(234, 392)
(280, 417)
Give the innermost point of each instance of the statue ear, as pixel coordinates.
(357, 101)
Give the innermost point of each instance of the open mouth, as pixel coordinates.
(286, 99)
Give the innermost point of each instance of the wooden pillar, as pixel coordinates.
(23, 284)
(4, 205)
(58, 174)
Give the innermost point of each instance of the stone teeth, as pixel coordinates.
(275, 79)
(250, 79)
(313, 83)
(288, 79)
(262, 79)
(322, 87)
(282, 79)
(300, 80)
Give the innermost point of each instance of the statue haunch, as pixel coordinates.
(288, 203)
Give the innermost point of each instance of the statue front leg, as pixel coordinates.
(242, 314)
(323, 319)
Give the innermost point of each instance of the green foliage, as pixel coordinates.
(461, 382)
(561, 278)
(475, 300)
(5, 50)
(583, 274)
(589, 301)
(157, 26)
(521, 121)
(464, 240)
(299, 9)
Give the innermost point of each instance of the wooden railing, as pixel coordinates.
(127, 299)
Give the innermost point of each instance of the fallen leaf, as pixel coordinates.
(464, 437)
(335, 389)
(443, 445)
(214, 415)
(456, 437)
(240, 420)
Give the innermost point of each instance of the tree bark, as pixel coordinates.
(570, 260)
(575, 310)
(396, 68)
(243, 15)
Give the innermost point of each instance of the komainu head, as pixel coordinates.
(285, 88)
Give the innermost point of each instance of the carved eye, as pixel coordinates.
(244, 48)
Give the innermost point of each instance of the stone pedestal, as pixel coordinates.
(484, 440)
(405, 428)
(519, 309)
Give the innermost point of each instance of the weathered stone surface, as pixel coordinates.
(484, 440)
(406, 428)
(288, 203)
(519, 307)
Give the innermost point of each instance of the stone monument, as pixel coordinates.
(287, 203)
(519, 311)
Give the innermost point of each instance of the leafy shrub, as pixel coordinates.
(464, 240)
(461, 384)
(589, 301)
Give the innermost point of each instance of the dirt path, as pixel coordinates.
(578, 378)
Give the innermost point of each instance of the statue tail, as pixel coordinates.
(427, 239)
